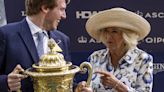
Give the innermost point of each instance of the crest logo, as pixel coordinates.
(82, 39)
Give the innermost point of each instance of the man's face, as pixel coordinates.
(54, 15)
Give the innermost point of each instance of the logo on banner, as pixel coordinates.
(85, 40)
(150, 14)
(87, 14)
(154, 40)
(82, 39)
(149, 40)
(68, 1)
(84, 14)
(2, 14)
(158, 67)
(23, 13)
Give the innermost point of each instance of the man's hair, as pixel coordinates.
(34, 6)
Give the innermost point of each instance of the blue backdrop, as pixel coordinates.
(78, 11)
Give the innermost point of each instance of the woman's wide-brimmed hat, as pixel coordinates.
(117, 17)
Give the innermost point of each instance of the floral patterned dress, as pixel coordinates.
(135, 70)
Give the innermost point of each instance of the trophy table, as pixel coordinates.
(53, 73)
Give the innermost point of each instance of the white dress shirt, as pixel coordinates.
(35, 29)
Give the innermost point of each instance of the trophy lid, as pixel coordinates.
(53, 60)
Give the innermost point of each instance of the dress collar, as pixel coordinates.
(128, 57)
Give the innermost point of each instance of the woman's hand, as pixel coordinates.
(83, 88)
(108, 79)
(14, 78)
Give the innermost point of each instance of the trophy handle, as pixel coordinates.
(83, 69)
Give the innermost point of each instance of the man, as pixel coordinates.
(18, 42)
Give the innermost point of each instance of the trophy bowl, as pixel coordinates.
(53, 74)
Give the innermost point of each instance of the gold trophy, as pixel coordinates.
(53, 73)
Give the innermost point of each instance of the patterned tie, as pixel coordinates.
(40, 48)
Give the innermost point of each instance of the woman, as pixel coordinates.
(122, 66)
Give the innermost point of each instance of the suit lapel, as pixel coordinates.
(27, 38)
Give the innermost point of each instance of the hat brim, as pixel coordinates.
(117, 18)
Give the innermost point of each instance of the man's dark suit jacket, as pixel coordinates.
(17, 47)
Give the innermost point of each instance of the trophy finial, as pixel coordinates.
(51, 61)
(53, 46)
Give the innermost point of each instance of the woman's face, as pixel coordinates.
(112, 38)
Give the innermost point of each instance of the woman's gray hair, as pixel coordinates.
(130, 38)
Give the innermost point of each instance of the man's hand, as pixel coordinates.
(14, 78)
(83, 88)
